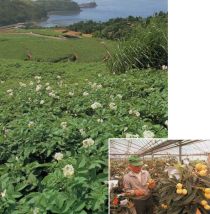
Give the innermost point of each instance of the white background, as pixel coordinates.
(189, 69)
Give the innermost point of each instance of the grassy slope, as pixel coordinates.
(86, 49)
(144, 91)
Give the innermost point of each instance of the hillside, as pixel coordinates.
(56, 118)
(14, 11)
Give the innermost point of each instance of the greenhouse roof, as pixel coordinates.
(159, 147)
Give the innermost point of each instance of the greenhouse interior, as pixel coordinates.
(179, 172)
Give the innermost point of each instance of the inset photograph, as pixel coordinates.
(159, 176)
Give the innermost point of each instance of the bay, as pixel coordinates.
(106, 10)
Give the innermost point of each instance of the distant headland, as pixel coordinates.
(88, 5)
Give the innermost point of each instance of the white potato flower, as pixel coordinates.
(2, 81)
(68, 170)
(22, 84)
(48, 88)
(31, 83)
(52, 94)
(166, 122)
(136, 113)
(148, 134)
(9, 91)
(38, 88)
(130, 111)
(10, 94)
(112, 106)
(64, 125)
(71, 94)
(82, 132)
(96, 105)
(58, 156)
(96, 86)
(36, 210)
(37, 77)
(88, 142)
(85, 94)
(47, 83)
(41, 102)
(58, 77)
(119, 96)
(100, 120)
(164, 67)
(3, 194)
(31, 124)
(129, 135)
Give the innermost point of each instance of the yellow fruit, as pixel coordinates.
(207, 207)
(207, 195)
(207, 190)
(204, 167)
(204, 202)
(179, 191)
(179, 186)
(199, 166)
(164, 206)
(203, 173)
(184, 192)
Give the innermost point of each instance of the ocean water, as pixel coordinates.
(106, 10)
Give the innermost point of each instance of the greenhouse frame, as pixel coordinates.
(156, 148)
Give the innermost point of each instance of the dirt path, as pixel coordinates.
(35, 34)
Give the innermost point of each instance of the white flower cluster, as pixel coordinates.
(148, 134)
(119, 96)
(134, 112)
(82, 132)
(38, 88)
(71, 94)
(164, 67)
(166, 122)
(2, 81)
(48, 88)
(100, 120)
(31, 124)
(113, 106)
(96, 105)
(85, 94)
(68, 170)
(58, 156)
(37, 77)
(129, 135)
(22, 84)
(53, 94)
(41, 102)
(63, 125)
(88, 142)
(96, 86)
(10, 92)
(31, 83)
(3, 194)
(36, 210)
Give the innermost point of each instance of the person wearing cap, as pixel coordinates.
(138, 185)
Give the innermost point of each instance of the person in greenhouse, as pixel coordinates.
(138, 184)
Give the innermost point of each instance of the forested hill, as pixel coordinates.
(14, 11)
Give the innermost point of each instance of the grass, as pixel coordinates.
(86, 49)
